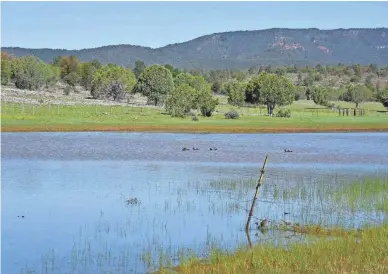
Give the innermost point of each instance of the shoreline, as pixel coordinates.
(185, 129)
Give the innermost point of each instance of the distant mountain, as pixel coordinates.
(244, 49)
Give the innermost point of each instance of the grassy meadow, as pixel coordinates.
(305, 117)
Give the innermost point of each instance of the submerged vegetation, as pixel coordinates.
(329, 224)
(335, 249)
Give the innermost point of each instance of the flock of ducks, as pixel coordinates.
(195, 148)
(214, 148)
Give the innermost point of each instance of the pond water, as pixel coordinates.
(72, 189)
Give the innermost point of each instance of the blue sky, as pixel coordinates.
(75, 25)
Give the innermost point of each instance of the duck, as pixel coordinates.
(213, 148)
(262, 224)
(195, 148)
(286, 150)
(185, 148)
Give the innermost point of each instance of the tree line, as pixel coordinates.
(181, 91)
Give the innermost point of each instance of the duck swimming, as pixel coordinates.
(185, 148)
(262, 224)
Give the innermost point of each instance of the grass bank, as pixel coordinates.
(29, 118)
(365, 252)
(323, 250)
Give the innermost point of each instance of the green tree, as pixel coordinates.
(68, 64)
(208, 104)
(155, 82)
(236, 92)
(199, 84)
(72, 79)
(139, 68)
(308, 93)
(96, 63)
(355, 79)
(216, 87)
(112, 81)
(190, 92)
(373, 68)
(174, 71)
(368, 82)
(180, 100)
(308, 80)
(30, 72)
(300, 92)
(320, 95)
(300, 79)
(382, 96)
(356, 94)
(57, 61)
(270, 90)
(6, 71)
(86, 71)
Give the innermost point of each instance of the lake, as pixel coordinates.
(73, 191)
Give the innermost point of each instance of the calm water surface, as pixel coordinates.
(72, 189)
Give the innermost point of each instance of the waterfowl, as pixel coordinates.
(185, 148)
(286, 150)
(262, 224)
(213, 148)
(195, 148)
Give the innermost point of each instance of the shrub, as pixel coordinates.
(112, 81)
(31, 73)
(155, 82)
(236, 92)
(208, 106)
(283, 113)
(180, 100)
(355, 79)
(320, 95)
(6, 71)
(232, 115)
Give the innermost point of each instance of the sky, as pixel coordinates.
(77, 25)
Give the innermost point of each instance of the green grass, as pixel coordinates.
(365, 252)
(16, 117)
(324, 250)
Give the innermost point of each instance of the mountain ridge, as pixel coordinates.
(243, 49)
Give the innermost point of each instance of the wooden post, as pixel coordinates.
(256, 193)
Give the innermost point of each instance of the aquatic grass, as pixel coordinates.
(369, 194)
(362, 253)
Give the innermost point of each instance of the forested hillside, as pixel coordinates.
(243, 50)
